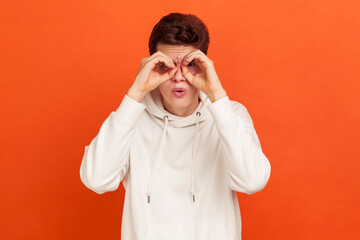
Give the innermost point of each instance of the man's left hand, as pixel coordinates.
(199, 70)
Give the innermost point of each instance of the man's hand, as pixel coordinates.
(153, 71)
(199, 70)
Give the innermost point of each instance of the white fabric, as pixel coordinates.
(180, 174)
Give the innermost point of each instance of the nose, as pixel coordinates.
(178, 76)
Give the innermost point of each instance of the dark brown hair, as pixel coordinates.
(180, 29)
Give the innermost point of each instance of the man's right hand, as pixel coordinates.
(153, 71)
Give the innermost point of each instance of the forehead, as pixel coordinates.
(176, 52)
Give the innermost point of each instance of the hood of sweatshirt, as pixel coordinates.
(155, 107)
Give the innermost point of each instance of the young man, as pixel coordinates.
(181, 148)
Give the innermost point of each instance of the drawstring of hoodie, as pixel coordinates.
(155, 167)
(198, 114)
(157, 157)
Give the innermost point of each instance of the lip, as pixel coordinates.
(179, 92)
(178, 89)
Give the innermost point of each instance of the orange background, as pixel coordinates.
(65, 65)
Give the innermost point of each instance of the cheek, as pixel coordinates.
(193, 91)
(164, 86)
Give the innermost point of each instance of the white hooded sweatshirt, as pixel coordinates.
(181, 174)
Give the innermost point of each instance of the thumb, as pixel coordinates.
(167, 75)
(172, 72)
(187, 74)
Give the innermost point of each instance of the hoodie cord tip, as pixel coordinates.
(193, 198)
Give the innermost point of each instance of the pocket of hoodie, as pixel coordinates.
(207, 230)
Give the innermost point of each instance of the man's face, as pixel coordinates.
(179, 96)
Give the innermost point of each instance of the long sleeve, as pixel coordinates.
(106, 160)
(247, 166)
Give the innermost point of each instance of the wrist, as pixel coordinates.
(214, 96)
(135, 94)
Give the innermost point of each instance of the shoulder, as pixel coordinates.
(237, 106)
(241, 111)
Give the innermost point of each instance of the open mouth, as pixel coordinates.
(179, 92)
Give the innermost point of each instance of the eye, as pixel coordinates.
(192, 63)
(163, 66)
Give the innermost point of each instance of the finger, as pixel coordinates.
(171, 73)
(192, 53)
(164, 59)
(197, 57)
(166, 76)
(162, 55)
(159, 59)
(169, 58)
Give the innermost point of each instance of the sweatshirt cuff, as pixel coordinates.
(129, 109)
(221, 110)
